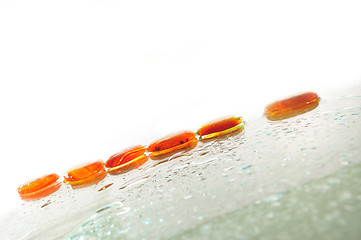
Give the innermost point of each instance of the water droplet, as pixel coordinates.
(203, 162)
(103, 208)
(247, 166)
(188, 197)
(46, 204)
(227, 169)
(105, 187)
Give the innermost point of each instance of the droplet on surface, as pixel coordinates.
(105, 187)
(188, 197)
(40, 187)
(220, 127)
(86, 175)
(292, 106)
(46, 204)
(172, 143)
(247, 166)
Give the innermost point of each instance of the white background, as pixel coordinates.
(81, 80)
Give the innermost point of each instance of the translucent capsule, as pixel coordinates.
(292, 106)
(171, 144)
(86, 175)
(220, 127)
(40, 187)
(126, 160)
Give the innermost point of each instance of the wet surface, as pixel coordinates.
(328, 208)
(271, 172)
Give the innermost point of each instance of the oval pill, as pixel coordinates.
(220, 127)
(125, 156)
(130, 165)
(171, 140)
(170, 151)
(292, 106)
(172, 143)
(40, 187)
(86, 175)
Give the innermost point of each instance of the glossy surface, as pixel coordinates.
(170, 151)
(220, 127)
(40, 187)
(171, 140)
(239, 172)
(129, 165)
(86, 175)
(172, 143)
(125, 156)
(292, 106)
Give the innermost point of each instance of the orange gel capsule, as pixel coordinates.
(292, 106)
(126, 160)
(172, 143)
(86, 175)
(40, 187)
(220, 127)
(130, 165)
(125, 156)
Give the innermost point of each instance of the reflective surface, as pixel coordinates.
(297, 178)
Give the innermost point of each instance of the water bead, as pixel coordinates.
(126, 160)
(292, 106)
(40, 187)
(86, 175)
(220, 127)
(105, 187)
(172, 143)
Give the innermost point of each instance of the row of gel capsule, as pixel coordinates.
(136, 156)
